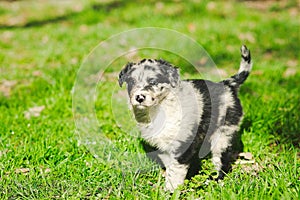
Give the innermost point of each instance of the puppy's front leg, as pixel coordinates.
(175, 175)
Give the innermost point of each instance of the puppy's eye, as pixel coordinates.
(162, 88)
(152, 82)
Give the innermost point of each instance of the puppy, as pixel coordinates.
(182, 118)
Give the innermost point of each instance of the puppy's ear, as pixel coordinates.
(124, 73)
(171, 71)
(174, 76)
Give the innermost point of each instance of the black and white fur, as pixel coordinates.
(177, 117)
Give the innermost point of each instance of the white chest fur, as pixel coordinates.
(174, 120)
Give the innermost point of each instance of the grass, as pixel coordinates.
(41, 51)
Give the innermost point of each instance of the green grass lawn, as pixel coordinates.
(44, 43)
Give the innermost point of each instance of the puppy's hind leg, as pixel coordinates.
(223, 163)
(222, 152)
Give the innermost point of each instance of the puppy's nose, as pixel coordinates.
(140, 98)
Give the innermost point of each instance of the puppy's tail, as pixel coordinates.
(244, 71)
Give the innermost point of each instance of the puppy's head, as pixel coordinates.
(149, 81)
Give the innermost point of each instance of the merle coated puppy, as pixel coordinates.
(178, 117)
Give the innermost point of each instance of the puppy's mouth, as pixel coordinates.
(140, 107)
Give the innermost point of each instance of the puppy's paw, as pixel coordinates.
(169, 187)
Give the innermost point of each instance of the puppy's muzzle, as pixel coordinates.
(142, 98)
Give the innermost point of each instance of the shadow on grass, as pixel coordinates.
(98, 7)
(280, 115)
(287, 128)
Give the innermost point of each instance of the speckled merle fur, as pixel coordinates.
(182, 120)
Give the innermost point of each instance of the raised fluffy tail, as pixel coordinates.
(244, 71)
